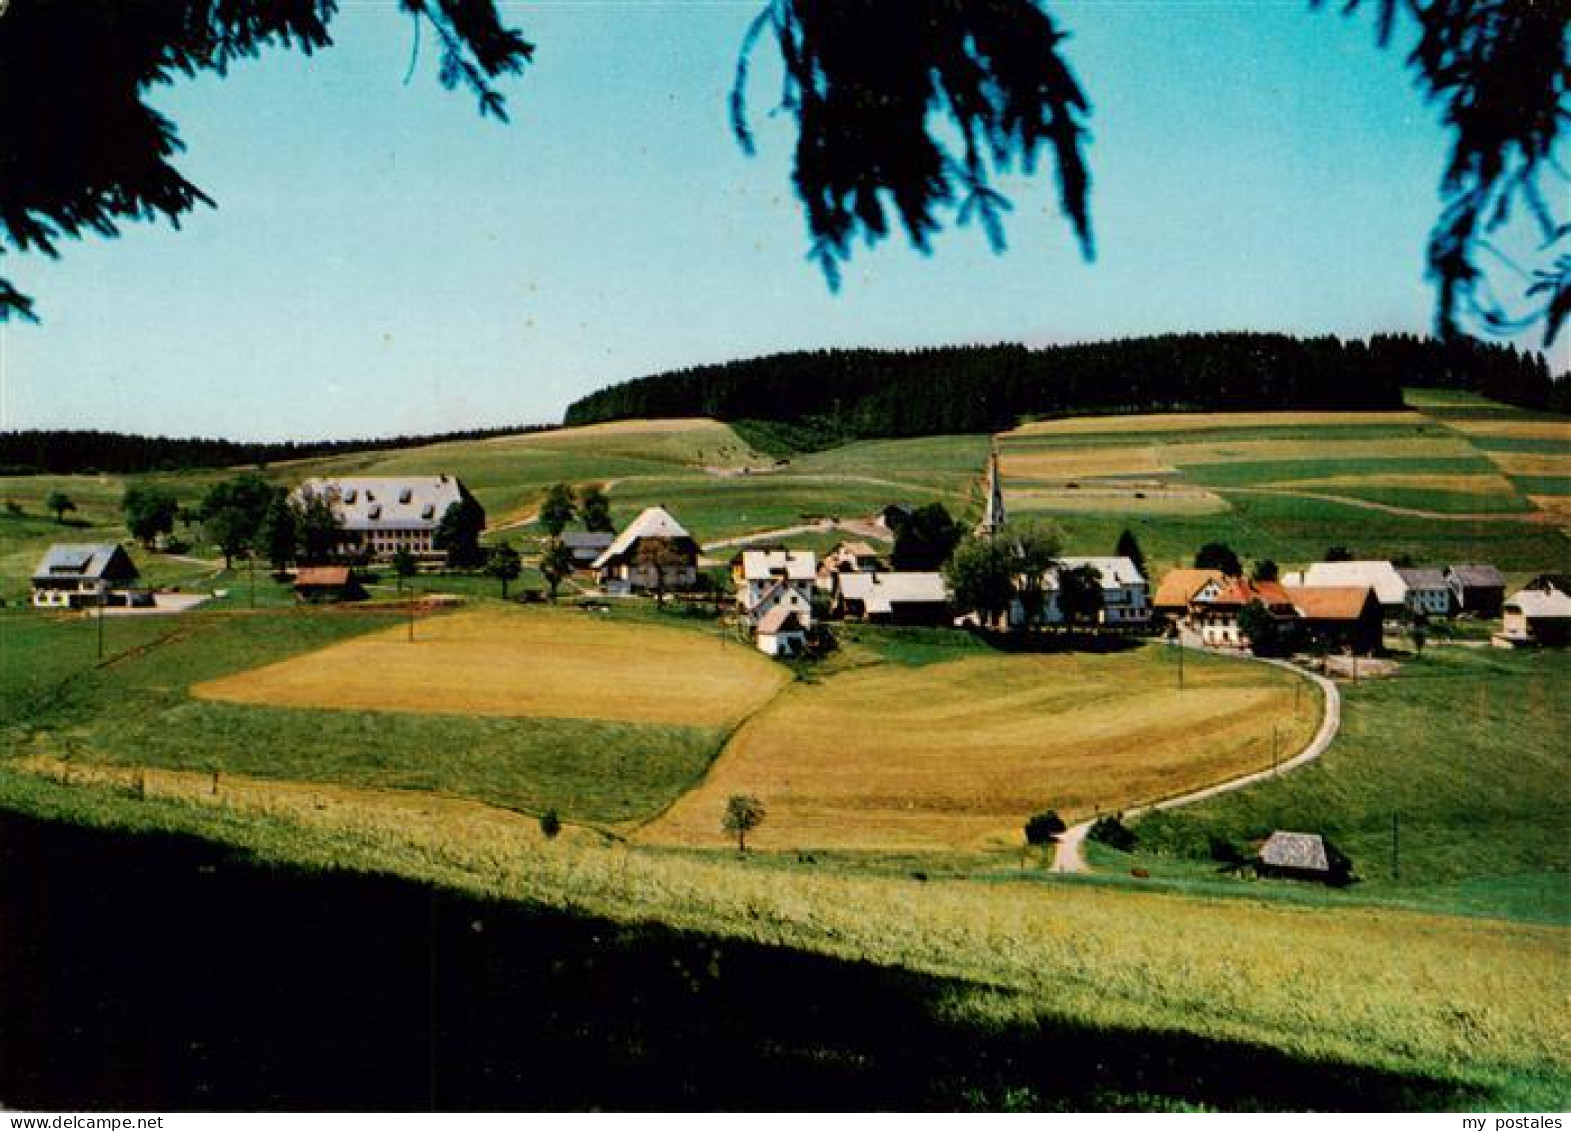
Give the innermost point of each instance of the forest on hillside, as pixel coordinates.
(863, 393)
(78, 451)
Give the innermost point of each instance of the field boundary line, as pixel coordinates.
(1069, 853)
(1537, 517)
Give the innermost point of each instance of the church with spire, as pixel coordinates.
(993, 517)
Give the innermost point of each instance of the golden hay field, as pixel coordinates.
(537, 663)
(1460, 484)
(1532, 463)
(1190, 421)
(1073, 463)
(1515, 429)
(1329, 449)
(959, 754)
(1106, 499)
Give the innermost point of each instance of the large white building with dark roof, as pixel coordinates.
(381, 515)
(77, 575)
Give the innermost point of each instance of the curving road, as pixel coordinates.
(1069, 855)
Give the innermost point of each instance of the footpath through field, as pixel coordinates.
(1069, 855)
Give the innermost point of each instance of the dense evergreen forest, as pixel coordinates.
(830, 395)
(66, 452)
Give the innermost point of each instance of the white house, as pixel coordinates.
(780, 633)
(770, 579)
(1428, 592)
(1382, 577)
(627, 566)
(1536, 616)
(72, 576)
(1126, 597)
(907, 597)
(382, 515)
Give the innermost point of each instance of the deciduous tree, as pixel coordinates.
(1219, 556)
(595, 509)
(556, 565)
(149, 512)
(557, 509)
(57, 503)
(743, 814)
(458, 533)
(503, 563)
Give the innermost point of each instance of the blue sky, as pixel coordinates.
(382, 260)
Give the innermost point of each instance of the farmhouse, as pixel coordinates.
(587, 545)
(781, 632)
(75, 575)
(1479, 588)
(1180, 588)
(892, 598)
(653, 553)
(848, 557)
(1382, 577)
(770, 579)
(1125, 593)
(1340, 616)
(1303, 856)
(320, 585)
(381, 515)
(1537, 616)
(1428, 592)
(1215, 610)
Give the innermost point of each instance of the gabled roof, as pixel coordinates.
(1550, 604)
(311, 577)
(1422, 578)
(1115, 573)
(652, 522)
(879, 591)
(765, 565)
(387, 502)
(1241, 591)
(89, 561)
(1480, 575)
(1296, 850)
(1330, 602)
(1382, 577)
(780, 619)
(1179, 586)
(587, 539)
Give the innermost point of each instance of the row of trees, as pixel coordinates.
(842, 394)
(72, 451)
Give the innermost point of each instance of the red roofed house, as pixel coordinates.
(1340, 616)
(1179, 589)
(317, 585)
(1215, 616)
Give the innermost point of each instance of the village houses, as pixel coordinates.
(653, 553)
(1479, 588)
(73, 576)
(380, 516)
(766, 580)
(1382, 577)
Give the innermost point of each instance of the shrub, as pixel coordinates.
(1112, 832)
(1044, 827)
(550, 824)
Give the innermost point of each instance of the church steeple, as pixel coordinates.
(993, 517)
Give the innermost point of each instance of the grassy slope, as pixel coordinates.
(1459, 1006)
(138, 710)
(1466, 747)
(956, 753)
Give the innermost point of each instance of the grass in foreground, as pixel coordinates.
(1455, 1007)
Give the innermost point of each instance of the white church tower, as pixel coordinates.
(993, 517)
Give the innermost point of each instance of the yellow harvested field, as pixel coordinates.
(1557, 505)
(525, 663)
(1075, 463)
(1515, 429)
(1121, 500)
(591, 433)
(960, 754)
(1461, 484)
(1189, 421)
(1531, 463)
